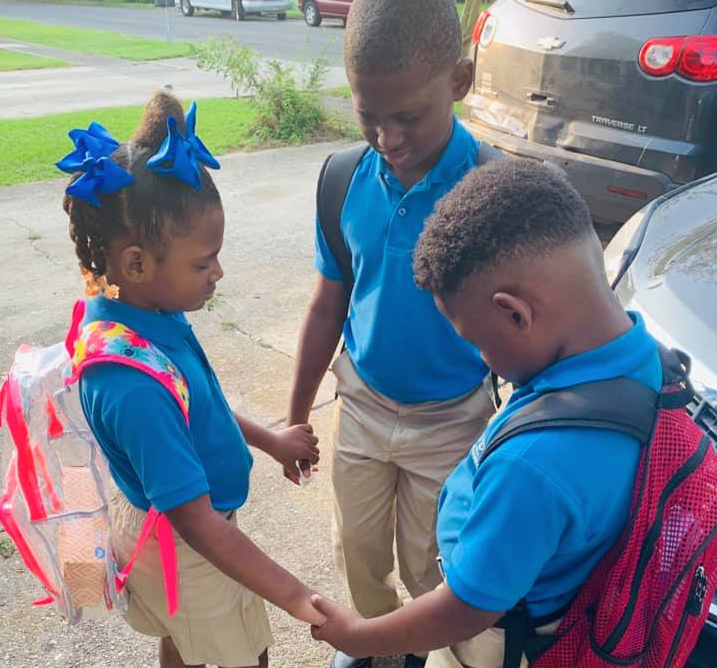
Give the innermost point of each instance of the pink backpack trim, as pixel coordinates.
(96, 342)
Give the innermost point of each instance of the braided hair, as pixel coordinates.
(150, 211)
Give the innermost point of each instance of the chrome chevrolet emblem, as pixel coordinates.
(550, 43)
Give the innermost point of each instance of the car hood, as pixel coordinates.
(672, 280)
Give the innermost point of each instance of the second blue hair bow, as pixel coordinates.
(91, 156)
(180, 156)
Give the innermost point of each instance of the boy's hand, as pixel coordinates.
(342, 628)
(294, 444)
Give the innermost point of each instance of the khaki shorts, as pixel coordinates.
(218, 622)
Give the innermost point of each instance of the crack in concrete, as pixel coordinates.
(34, 246)
(233, 326)
(314, 408)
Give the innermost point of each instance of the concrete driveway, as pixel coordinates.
(250, 336)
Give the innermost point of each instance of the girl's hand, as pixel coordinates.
(343, 628)
(295, 444)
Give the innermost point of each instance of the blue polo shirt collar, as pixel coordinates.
(166, 329)
(613, 360)
(451, 163)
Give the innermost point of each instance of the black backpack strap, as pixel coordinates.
(333, 185)
(677, 390)
(618, 404)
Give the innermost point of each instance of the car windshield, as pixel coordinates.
(600, 8)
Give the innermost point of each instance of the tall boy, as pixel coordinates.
(512, 259)
(411, 390)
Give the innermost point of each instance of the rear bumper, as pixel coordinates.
(591, 176)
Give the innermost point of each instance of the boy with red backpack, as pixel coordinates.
(579, 529)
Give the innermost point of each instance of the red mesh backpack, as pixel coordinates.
(645, 603)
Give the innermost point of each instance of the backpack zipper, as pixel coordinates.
(689, 467)
(693, 608)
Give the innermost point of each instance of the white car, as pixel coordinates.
(663, 264)
(239, 9)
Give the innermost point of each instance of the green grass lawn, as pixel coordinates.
(99, 42)
(131, 4)
(343, 92)
(30, 147)
(12, 60)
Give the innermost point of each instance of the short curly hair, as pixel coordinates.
(389, 36)
(502, 211)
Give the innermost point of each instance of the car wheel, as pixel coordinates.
(344, 22)
(187, 8)
(239, 13)
(311, 14)
(281, 16)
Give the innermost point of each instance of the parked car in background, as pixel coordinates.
(315, 11)
(663, 263)
(239, 9)
(621, 95)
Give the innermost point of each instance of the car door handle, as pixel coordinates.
(541, 100)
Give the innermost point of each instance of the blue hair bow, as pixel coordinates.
(180, 156)
(91, 156)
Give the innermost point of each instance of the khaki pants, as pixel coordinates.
(483, 651)
(390, 462)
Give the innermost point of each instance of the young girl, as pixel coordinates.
(148, 224)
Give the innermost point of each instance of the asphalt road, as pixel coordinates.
(288, 40)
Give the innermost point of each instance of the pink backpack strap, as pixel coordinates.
(158, 523)
(105, 341)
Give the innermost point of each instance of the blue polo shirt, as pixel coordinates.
(397, 339)
(536, 517)
(155, 457)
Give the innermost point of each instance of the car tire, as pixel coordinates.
(281, 16)
(311, 14)
(187, 8)
(343, 21)
(238, 9)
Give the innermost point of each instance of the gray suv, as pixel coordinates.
(663, 263)
(621, 94)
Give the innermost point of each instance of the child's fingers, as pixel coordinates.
(312, 457)
(291, 475)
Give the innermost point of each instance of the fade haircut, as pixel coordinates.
(389, 36)
(503, 211)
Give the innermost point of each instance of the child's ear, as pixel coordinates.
(462, 78)
(136, 264)
(517, 312)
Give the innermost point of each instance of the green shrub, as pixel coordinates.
(287, 103)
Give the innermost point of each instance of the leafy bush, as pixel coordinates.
(287, 103)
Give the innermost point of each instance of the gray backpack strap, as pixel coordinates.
(619, 404)
(331, 190)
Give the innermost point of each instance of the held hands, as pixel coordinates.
(343, 627)
(296, 444)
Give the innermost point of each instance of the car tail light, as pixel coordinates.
(484, 30)
(699, 58)
(693, 58)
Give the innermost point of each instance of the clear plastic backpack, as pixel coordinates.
(58, 488)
